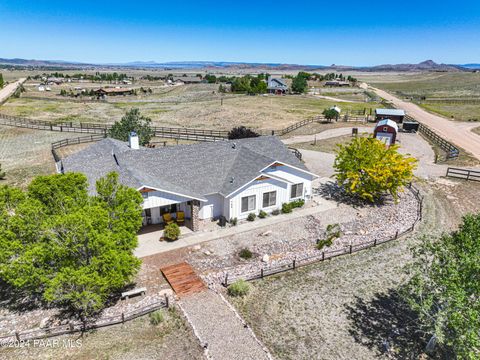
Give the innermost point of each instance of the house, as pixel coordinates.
(396, 115)
(337, 83)
(41, 87)
(113, 91)
(276, 86)
(188, 80)
(386, 131)
(206, 181)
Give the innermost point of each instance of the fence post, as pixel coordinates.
(374, 242)
(167, 301)
(261, 272)
(123, 318)
(350, 248)
(17, 335)
(294, 260)
(323, 255)
(226, 279)
(396, 234)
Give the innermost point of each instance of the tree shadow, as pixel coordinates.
(387, 324)
(332, 191)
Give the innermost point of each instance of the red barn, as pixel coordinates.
(386, 131)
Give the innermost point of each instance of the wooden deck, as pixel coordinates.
(183, 279)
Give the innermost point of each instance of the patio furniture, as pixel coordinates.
(167, 218)
(180, 217)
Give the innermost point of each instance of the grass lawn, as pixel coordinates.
(136, 339)
(461, 112)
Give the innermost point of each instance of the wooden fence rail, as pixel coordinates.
(451, 150)
(322, 256)
(78, 326)
(465, 174)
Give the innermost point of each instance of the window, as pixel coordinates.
(168, 209)
(297, 191)
(269, 198)
(248, 203)
(145, 195)
(385, 129)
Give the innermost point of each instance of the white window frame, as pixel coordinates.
(296, 190)
(269, 199)
(248, 203)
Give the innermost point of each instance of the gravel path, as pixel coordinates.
(457, 132)
(221, 329)
(9, 89)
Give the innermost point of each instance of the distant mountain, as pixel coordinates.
(428, 65)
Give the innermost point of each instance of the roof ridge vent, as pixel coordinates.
(232, 179)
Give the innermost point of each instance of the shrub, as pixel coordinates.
(241, 132)
(332, 232)
(234, 221)
(251, 217)
(286, 208)
(262, 214)
(297, 203)
(245, 254)
(171, 232)
(239, 288)
(156, 317)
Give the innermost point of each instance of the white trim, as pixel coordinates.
(275, 177)
(293, 167)
(171, 192)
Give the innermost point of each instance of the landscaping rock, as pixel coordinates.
(266, 258)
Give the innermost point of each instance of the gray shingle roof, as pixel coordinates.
(390, 112)
(192, 170)
(276, 83)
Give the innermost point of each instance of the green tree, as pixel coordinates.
(445, 288)
(133, 121)
(1, 81)
(65, 247)
(2, 173)
(330, 114)
(299, 84)
(241, 132)
(368, 169)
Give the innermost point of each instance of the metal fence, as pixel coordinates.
(322, 256)
(465, 174)
(79, 326)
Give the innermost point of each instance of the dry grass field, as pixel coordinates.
(444, 92)
(345, 308)
(138, 339)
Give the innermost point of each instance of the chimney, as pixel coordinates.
(133, 141)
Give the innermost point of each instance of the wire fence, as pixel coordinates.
(329, 254)
(80, 326)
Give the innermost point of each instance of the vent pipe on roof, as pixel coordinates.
(232, 179)
(133, 141)
(234, 146)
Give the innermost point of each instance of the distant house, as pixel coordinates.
(396, 115)
(188, 80)
(386, 131)
(276, 86)
(113, 91)
(205, 181)
(41, 87)
(337, 83)
(54, 81)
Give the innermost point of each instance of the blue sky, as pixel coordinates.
(302, 32)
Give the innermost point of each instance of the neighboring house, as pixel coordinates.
(205, 180)
(396, 115)
(337, 83)
(188, 80)
(276, 86)
(113, 91)
(386, 131)
(41, 88)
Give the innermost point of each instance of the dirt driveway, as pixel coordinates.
(458, 133)
(8, 90)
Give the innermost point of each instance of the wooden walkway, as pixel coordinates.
(183, 279)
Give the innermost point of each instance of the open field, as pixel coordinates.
(186, 106)
(326, 145)
(441, 93)
(347, 307)
(137, 339)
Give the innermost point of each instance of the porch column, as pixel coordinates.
(195, 208)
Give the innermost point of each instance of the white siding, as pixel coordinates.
(294, 176)
(161, 198)
(257, 188)
(212, 208)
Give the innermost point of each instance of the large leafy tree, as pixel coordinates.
(1, 81)
(63, 246)
(133, 121)
(241, 132)
(445, 288)
(299, 83)
(368, 169)
(330, 114)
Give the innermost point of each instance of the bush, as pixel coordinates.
(251, 217)
(171, 232)
(241, 132)
(156, 317)
(245, 254)
(332, 232)
(276, 212)
(262, 214)
(239, 288)
(297, 203)
(286, 208)
(234, 221)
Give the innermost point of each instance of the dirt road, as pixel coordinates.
(8, 90)
(458, 133)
